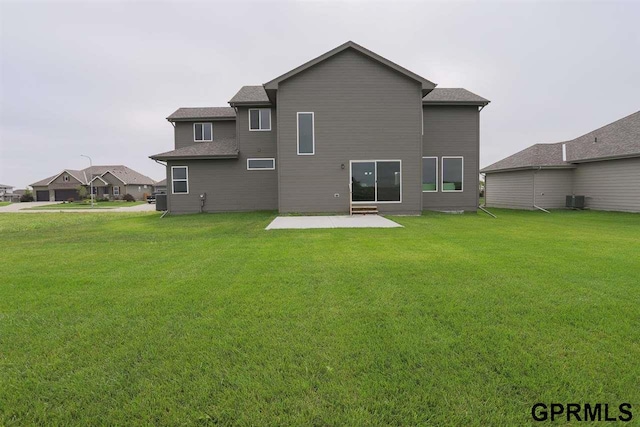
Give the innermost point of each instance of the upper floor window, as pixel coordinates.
(452, 173)
(306, 134)
(259, 119)
(429, 174)
(65, 178)
(202, 132)
(180, 179)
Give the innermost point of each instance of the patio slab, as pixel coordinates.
(342, 221)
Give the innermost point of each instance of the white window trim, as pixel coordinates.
(442, 175)
(186, 179)
(259, 120)
(116, 193)
(351, 162)
(437, 170)
(202, 140)
(313, 133)
(261, 169)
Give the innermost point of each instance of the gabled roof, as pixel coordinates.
(426, 84)
(100, 178)
(616, 140)
(127, 175)
(454, 95)
(162, 182)
(210, 113)
(220, 148)
(250, 95)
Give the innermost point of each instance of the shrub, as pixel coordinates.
(27, 196)
(102, 199)
(70, 200)
(128, 198)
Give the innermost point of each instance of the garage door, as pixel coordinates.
(42, 196)
(62, 195)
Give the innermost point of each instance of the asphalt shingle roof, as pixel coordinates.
(202, 113)
(454, 95)
(250, 95)
(219, 148)
(618, 139)
(125, 174)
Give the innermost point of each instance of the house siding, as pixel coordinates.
(512, 190)
(362, 111)
(611, 185)
(453, 131)
(183, 131)
(552, 187)
(229, 187)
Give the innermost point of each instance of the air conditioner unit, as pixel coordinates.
(575, 202)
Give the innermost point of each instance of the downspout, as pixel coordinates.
(482, 207)
(165, 165)
(534, 190)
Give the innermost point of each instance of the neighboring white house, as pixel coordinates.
(6, 193)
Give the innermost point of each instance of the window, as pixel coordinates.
(65, 178)
(259, 119)
(116, 191)
(376, 181)
(202, 132)
(261, 164)
(429, 174)
(105, 191)
(94, 191)
(180, 179)
(452, 174)
(306, 137)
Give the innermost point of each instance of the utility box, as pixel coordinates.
(575, 202)
(161, 202)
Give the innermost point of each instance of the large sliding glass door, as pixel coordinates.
(377, 181)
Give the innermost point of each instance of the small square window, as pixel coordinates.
(202, 132)
(260, 119)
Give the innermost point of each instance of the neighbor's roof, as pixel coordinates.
(250, 95)
(220, 148)
(454, 95)
(538, 155)
(213, 113)
(616, 140)
(161, 182)
(5, 186)
(127, 175)
(426, 84)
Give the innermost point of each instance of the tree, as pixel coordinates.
(27, 196)
(82, 191)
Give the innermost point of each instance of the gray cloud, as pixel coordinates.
(99, 78)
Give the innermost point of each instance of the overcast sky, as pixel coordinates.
(99, 78)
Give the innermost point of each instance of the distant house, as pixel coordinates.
(161, 186)
(602, 165)
(110, 182)
(348, 131)
(6, 193)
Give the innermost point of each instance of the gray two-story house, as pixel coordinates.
(346, 131)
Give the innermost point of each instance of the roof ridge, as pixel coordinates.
(604, 126)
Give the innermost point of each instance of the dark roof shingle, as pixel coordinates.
(219, 113)
(248, 95)
(454, 95)
(221, 148)
(538, 155)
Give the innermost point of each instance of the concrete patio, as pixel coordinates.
(341, 221)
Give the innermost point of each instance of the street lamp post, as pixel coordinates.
(91, 181)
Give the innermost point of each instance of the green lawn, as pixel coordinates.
(83, 205)
(4, 203)
(459, 320)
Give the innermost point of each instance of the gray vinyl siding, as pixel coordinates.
(184, 131)
(453, 131)
(137, 191)
(612, 185)
(552, 187)
(512, 190)
(363, 111)
(228, 185)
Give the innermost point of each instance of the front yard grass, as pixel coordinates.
(210, 320)
(85, 205)
(4, 204)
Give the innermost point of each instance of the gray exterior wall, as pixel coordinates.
(228, 185)
(363, 111)
(612, 185)
(552, 187)
(183, 131)
(453, 131)
(509, 190)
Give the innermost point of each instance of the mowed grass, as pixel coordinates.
(4, 204)
(84, 205)
(210, 320)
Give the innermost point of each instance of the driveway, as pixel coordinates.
(20, 207)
